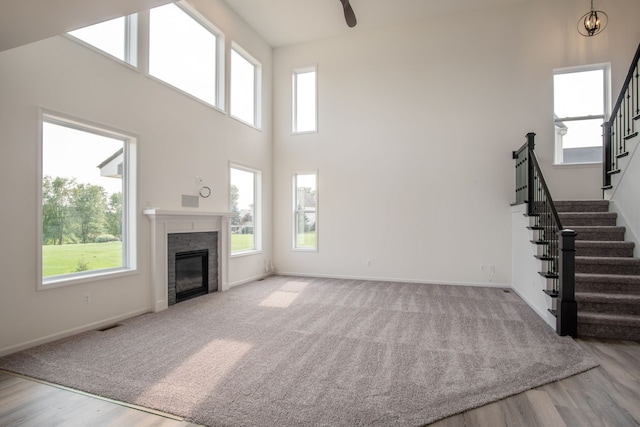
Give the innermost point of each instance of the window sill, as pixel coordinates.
(241, 254)
(63, 281)
(578, 165)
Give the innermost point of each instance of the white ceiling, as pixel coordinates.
(279, 22)
(26, 21)
(286, 22)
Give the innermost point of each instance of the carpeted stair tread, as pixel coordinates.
(571, 219)
(607, 265)
(604, 248)
(607, 298)
(607, 260)
(608, 283)
(609, 319)
(581, 205)
(614, 326)
(608, 303)
(632, 279)
(594, 232)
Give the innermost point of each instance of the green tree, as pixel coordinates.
(113, 216)
(235, 195)
(89, 206)
(56, 195)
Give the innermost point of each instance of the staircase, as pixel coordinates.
(607, 279)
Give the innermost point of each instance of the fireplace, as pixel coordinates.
(192, 274)
(192, 261)
(173, 232)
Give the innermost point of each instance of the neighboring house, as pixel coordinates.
(112, 166)
(416, 124)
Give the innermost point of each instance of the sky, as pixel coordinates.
(70, 153)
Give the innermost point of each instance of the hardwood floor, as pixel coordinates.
(608, 395)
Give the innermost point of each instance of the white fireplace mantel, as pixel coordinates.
(165, 222)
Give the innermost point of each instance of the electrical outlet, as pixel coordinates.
(368, 263)
(86, 298)
(481, 267)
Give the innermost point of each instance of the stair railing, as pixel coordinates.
(622, 125)
(558, 244)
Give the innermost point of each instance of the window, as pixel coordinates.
(245, 194)
(88, 192)
(305, 205)
(304, 100)
(117, 37)
(184, 51)
(580, 101)
(246, 75)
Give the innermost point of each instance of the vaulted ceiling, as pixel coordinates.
(286, 22)
(279, 22)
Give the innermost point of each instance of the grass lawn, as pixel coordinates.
(307, 240)
(64, 259)
(241, 242)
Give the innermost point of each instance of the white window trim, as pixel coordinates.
(220, 57)
(131, 51)
(294, 192)
(129, 194)
(294, 101)
(606, 68)
(257, 206)
(257, 96)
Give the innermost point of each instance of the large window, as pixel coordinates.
(184, 51)
(87, 212)
(304, 100)
(245, 194)
(245, 85)
(117, 37)
(581, 99)
(305, 206)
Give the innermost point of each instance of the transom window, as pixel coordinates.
(245, 195)
(184, 51)
(581, 101)
(117, 37)
(245, 85)
(88, 193)
(305, 207)
(304, 100)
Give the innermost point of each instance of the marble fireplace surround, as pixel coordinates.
(165, 222)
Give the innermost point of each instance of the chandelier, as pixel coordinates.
(593, 22)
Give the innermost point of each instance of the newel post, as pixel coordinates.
(530, 173)
(606, 155)
(567, 308)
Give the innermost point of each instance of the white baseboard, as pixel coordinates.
(251, 279)
(70, 332)
(393, 279)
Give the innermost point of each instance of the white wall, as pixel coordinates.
(624, 197)
(416, 128)
(525, 280)
(179, 139)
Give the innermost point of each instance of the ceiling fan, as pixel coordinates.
(349, 14)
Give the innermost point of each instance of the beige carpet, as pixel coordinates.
(299, 352)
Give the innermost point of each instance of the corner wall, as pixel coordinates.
(416, 128)
(179, 138)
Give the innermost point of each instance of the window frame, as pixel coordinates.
(606, 86)
(257, 210)
(257, 85)
(294, 100)
(129, 202)
(131, 45)
(220, 81)
(296, 212)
